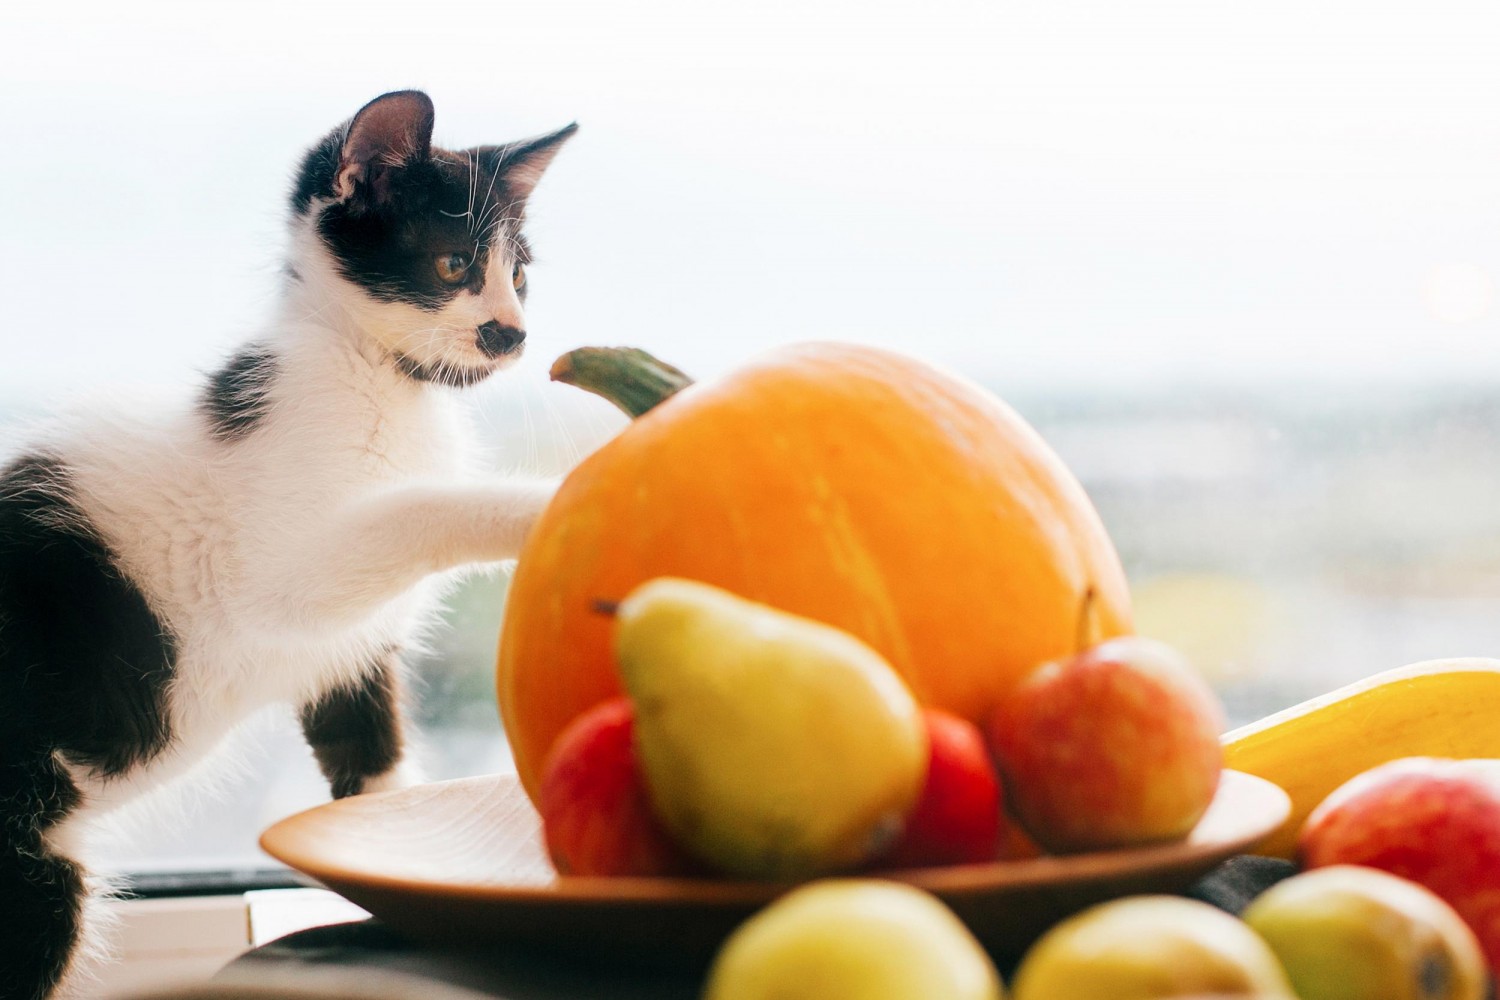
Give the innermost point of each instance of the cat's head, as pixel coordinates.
(421, 246)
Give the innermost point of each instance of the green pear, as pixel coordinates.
(1351, 933)
(1148, 948)
(772, 746)
(853, 939)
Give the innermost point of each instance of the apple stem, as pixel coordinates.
(600, 606)
(630, 378)
(1085, 632)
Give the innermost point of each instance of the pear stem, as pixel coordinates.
(630, 378)
(1085, 631)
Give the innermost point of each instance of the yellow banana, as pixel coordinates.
(1438, 708)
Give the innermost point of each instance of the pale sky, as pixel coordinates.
(1033, 192)
(1040, 193)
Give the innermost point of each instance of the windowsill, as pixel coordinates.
(162, 942)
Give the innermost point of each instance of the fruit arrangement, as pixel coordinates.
(851, 486)
(755, 743)
(839, 615)
(785, 495)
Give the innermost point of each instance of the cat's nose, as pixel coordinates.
(496, 340)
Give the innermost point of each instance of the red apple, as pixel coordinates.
(1116, 746)
(957, 818)
(1431, 820)
(595, 815)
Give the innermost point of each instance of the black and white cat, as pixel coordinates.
(164, 576)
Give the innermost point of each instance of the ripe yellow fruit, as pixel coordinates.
(1437, 708)
(853, 939)
(772, 746)
(1147, 948)
(1351, 933)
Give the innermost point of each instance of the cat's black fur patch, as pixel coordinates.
(84, 668)
(237, 397)
(41, 894)
(319, 166)
(355, 731)
(84, 662)
(450, 203)
(41, 901)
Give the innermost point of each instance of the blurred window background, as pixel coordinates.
(1237, 263)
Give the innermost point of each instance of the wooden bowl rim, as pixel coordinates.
(1246, 809)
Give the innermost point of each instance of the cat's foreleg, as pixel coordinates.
(356, 735)
(375, 550)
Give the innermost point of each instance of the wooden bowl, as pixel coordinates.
(461, 863)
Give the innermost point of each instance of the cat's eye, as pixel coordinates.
(452, 268)
(518, 277)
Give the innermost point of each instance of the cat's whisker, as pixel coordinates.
(469, 202)
(488, 193)
(572, 450)
(473, 160)
(530, 445)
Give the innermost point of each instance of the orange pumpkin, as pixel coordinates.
(852, 485)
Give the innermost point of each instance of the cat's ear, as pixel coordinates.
(521, 164)
(390, 132)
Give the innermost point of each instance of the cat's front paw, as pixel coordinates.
(406, 774)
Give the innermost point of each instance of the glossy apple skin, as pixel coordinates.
(1434, 821)
(596, 818)
(1114, 747)
(957, 820)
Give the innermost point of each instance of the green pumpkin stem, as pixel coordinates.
(626, 376)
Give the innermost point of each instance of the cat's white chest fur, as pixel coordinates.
(222, 538)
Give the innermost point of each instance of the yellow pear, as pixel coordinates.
(853, 939)
(772, 746)
(1351, 933)
(1146, 948)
